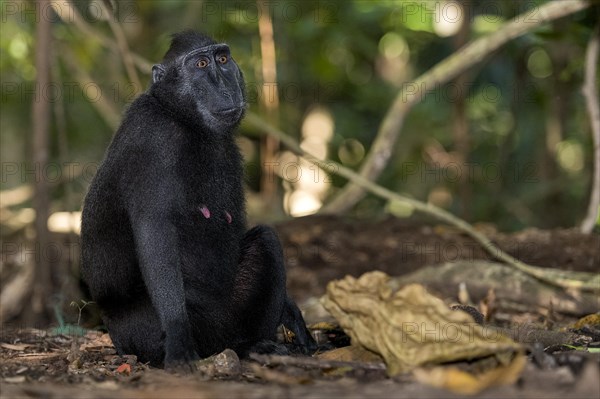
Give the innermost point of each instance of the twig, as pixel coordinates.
(581, 280)
(123, 47)
(311, 362)
(69, 15)
(104, 107)
(81, 307)
(528, 334)
(412, 93)
(590, 93)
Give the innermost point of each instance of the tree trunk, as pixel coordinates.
(41, 201)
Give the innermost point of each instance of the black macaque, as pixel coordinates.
(165, 251)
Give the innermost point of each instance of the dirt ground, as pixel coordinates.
(35, 363)
(319, 249)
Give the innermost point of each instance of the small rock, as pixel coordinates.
(227, 363)
(130, 359)
(75, 365)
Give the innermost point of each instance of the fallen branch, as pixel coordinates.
(529, 335)
(412, 93)
(513, 291)
(581, 280)
(311, 362)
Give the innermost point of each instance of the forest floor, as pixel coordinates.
(37, 363)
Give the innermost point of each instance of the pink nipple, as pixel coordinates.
(205, 211)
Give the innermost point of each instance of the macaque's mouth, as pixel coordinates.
(230, 112)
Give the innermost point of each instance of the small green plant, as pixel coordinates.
(81, 307)
(69, 329)
(582, 348)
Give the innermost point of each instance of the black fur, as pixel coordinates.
(165, 252)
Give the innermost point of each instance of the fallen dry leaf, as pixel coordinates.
(353, 353)
(98, 341)
(322, 325)
(124, 369)
(19, 347)
(408, 327)
(466, 383)
(591, 320)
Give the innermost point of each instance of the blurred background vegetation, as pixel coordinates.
(507, 142)
(522, 158)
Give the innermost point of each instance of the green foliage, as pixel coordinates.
(529, 150)
(65, 328)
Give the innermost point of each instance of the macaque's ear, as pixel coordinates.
(158, 71)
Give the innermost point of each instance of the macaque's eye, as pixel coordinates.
(202, 63)
(222, 59)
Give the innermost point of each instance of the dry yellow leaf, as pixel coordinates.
(351, 353)
(97, 342)
(408, 327)
(589, 320)
(463, 382)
